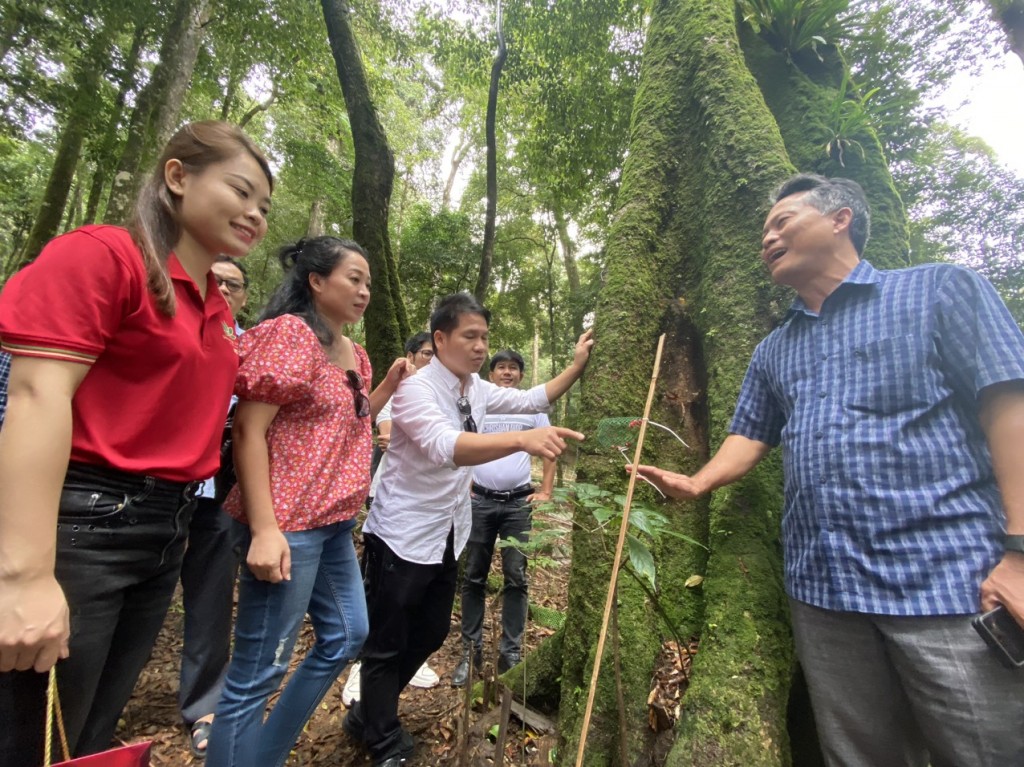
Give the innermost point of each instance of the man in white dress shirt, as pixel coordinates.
(421, 517)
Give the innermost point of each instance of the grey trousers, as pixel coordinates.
(908, 691)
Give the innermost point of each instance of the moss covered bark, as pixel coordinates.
(704, 153)
(802, 103)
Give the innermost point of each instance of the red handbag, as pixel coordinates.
(134, 755)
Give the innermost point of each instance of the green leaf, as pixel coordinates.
(641, 559)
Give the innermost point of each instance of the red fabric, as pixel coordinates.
(154, 399)
(135, 755)
(319, 448)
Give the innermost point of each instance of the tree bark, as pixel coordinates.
(372, 181)
(77, 124)
(1010, 15)
(704, 154)
(484, 280)
(159, 104)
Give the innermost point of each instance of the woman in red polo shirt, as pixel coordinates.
(124, 360)
(302, 450)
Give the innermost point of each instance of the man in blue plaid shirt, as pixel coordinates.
(898, 398)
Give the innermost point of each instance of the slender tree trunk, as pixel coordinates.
(74, 209)
(1010, 14)
(484, 280)
(156, 112)
(77, 123)
(315, 228)
(572, 273)
(461, 150)
(105, 157)
(372, 180)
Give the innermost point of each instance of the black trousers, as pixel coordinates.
(208, 573)
(120, 539)
(410, 610)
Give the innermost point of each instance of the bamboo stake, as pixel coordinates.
(618, 555)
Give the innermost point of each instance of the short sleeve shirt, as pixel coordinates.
(891, 505)
(319, 448)
(512, 471)
(154, 399)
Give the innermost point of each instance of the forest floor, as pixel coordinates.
(431, 715)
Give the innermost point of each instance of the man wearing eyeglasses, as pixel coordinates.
(208, 573)
(502, 494)
(421, 516)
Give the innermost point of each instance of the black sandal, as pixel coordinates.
(200, 732)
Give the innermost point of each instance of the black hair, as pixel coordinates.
(508, 355)
(238, 265)
(414, 344)
(319, 255)
(446, 316)
(827, 195)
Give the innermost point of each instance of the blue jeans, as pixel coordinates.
(327, 584)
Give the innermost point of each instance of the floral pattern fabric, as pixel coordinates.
(319, 448)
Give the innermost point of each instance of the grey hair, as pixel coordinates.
(827, 195)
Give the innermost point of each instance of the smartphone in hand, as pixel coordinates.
(1003, 634)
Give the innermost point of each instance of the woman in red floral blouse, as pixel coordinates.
(302, 446)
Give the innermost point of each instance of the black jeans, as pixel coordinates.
(493, 519)
(410, 610)
(208, 573)
(120, 539)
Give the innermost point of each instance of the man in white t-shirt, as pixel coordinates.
(502, 494)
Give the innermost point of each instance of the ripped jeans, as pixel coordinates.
(326, 584)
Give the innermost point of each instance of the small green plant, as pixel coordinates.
(645, 524)
(796, 25)
(848, 116)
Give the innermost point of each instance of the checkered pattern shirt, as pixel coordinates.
(891, 506)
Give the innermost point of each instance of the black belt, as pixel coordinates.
(503, 495)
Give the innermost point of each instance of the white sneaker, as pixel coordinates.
(425, 677)
(350, 692)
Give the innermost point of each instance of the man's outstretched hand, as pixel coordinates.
(671, 484)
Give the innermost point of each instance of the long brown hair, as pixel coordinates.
(154, 224)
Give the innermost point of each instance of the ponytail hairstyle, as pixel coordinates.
(318, 255)
(154, 223)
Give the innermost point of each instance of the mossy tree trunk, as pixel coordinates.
(707, 147)
(372, 182)
(78, 122)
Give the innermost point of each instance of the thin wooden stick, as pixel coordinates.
(618, 555)
(506, 714)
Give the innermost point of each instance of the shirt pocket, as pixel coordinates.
(887, 375)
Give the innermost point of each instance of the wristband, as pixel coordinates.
(1014, 543)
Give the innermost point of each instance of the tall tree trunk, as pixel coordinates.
(105, 157)
(372, 180)
(315, 227)
(484, 280)
(156, 112)
(77, 123)
(458, 156)
(704, 154)
(572, 273)
(1010, 14)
